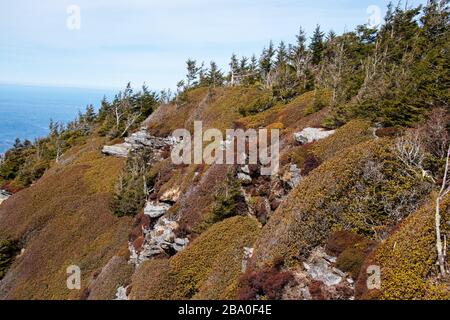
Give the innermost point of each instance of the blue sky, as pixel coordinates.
(148, 40)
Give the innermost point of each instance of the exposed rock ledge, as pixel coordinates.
(155, 210)
(136, 141)
(309, 135)
(158, 240)
(320, 279)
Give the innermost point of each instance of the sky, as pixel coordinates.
(107, 43)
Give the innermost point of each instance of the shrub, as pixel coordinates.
(267, 283)
(260, 105)
(341, 240)
(304, 159)
(352, 258)
(321, 100)
(363, 189)
(8, 250)
(407, 259)
(129, 196)
(388, 132)
(228, 200)
(209, 268)
(351, 134)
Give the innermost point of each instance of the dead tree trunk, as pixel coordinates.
(445, 189)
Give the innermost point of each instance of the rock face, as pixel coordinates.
(4, 195)
(309, 135)
(118, 150)
(154, 210)
(136, 141)
(160, 239)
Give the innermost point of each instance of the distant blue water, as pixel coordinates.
(25, 111)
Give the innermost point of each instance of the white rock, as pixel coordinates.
(4, 195)
(121, 293)
(245, 169)
(294, 175)
(308, 135)
(136, 141)
(118, 150)
(154, 210)
(244, 178)
(319, 271)
(181, 242)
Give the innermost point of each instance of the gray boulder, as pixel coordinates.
(154, 210)
(309, 135)
(118, 150)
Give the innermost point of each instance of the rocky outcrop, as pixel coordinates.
(309, 135)
(244, 175)
(120, 150)
(292, 176)
(136, 141)
(160, 239)
(320, 279)
(244, 178)
(155, 210)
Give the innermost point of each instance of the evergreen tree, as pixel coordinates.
(214, 75)
(317, 45)
(282, 55)
(192, 71)
(243, 65)
(234, 64)
(265, 61)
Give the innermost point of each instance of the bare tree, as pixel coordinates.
(444, 190)
(130, 121)
(411, 153)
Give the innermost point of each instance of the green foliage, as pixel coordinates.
(317, 46)
(130, 195)
(320, 101)
(261, 104)
(8, 250)
(126, 112)
(226, 200)
(352, 258)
